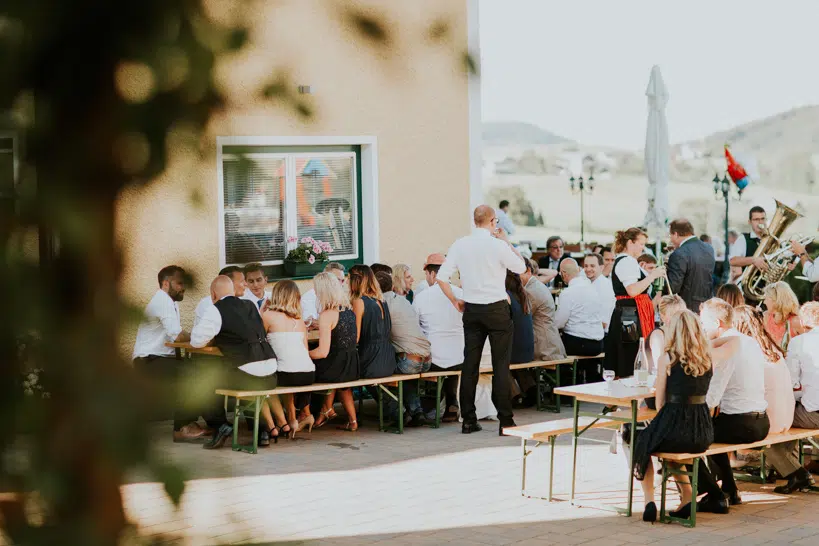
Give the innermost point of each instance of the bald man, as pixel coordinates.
(580, 317)
(249, 363)
(482, 259)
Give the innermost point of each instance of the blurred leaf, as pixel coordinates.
(303, 110)
(237, 39)
(172, 476)
(368, 26)
(470, 64)
(196, 198)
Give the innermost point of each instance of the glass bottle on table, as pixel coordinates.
(641, 365)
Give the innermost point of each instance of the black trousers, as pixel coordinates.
(450, 384)
(494, 321)
(169, 380)
(579, 346)
(730, 429)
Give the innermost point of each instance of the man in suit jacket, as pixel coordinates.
(690, 266)
(551, 262)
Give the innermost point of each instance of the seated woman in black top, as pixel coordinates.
(375, 351)
(523, 339)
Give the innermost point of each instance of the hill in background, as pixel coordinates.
(518, 133)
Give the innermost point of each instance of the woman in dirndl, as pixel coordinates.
(633, 315)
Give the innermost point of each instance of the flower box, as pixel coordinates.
(298, 269)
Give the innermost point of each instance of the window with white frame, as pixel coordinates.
(272, 197)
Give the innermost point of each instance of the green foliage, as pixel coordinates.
(310, 251)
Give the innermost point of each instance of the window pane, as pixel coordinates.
(254, 209)
(326, 195)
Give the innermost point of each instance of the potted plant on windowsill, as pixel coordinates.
(308, 258)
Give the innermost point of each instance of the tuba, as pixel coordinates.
(776, 252)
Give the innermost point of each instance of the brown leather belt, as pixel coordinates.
(679, 399)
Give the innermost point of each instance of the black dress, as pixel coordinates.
(376, 353)
(341, 363)
(621, 353)
(678, 427)
(523, 338)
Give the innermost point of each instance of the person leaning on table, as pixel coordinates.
(803, 364)
(235, 326)
(482, 258)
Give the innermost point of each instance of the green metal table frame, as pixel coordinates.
(544, 378)
(577, 432)
(526, 452)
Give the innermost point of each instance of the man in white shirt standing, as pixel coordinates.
(256, 291)
(741, 252)
(803, 363)
(738, 389)
(155, 361)
(504, 222)
(237, 275)
(593, 268)
(580, 316)
(809, 268)
(443, 326)
(482, 260)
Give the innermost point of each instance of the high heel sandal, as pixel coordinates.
(325, 417)
(286, 433)
(351, 426)
(274, 433)
(307, 422)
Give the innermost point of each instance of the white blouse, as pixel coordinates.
(627, 270)
(290, 352)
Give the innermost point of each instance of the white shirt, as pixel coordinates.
(627, 270)
(420, 287)
(803, 363)
(605, 295)
(201, 308)
(580, 311)
(740, 247)
(738, 384)
(482, 261)
(811, 271)
(161, 325)
(209, 327)
(258, 302)
(442, 324)
(505, 222)
(309, 305)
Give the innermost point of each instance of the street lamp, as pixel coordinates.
(581, 186)
(722, 188)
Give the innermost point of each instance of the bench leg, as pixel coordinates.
(694, 493)
(557, 384)
(663, 491)
(552, 441)
(631, 457)
(763, 471)
(574, 448)
(380, 409)
(400, 407)
(237, 411)
(523, 468)
(439, 387)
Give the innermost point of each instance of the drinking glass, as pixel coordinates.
(608, 377)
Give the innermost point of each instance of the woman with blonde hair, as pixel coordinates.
(373, 322)
(287, 334)
(683, 421)
(633, 315)
(668, 308)
(402, 281)
(731, 294)
(336, 357)
(778, 384)
(782, 313)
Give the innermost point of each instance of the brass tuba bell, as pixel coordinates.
(776, 252)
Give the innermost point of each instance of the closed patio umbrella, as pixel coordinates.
(657, 156)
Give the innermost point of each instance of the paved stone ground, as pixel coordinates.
(428, 487)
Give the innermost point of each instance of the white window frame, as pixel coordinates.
(367, 179)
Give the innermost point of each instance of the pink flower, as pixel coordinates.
(292, 239)
(311, 260)
(316, 249)
(326, 247)
(305, 239)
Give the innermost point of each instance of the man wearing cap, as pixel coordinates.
(482, 259)
(442, 324)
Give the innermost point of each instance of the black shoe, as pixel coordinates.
(505, 425)
(469, 428)
(219, 437)
(650, 512)
(714, 505)
(418, 420)
(264, 438)
(450, 415)
(800, 480)
(733, 498)
(683, 513)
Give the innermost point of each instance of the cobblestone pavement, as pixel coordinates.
(429, 486)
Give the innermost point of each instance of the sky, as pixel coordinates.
(579, 68)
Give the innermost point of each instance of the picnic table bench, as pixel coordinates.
(549, 431)
(795, 434)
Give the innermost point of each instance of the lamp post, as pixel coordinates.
(581, 186)
(723, 188)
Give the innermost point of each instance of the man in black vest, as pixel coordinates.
(742, 250)
(249, 363)
(690, 266)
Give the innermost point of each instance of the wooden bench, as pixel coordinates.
(256, 398)
(799, 435)
(549, 431)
